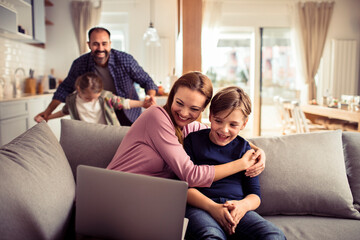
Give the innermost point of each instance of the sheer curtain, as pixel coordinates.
(314, 20)
(85, 14)
(210, 30)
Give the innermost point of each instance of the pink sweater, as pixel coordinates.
(151, 147)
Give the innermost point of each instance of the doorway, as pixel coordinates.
(261, 61)
(277, 77)
(229, 65)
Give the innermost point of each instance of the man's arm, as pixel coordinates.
(151, 92)
(141, 77)
(45, 114)
(65, 88)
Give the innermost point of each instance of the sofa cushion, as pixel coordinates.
(351, 144)
(37, 190)
(315, 227)
(89, 143)
(305, 174)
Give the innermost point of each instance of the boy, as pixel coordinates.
(225, 210)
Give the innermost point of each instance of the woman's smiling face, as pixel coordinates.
(187, 106)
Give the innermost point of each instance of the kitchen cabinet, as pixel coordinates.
(39, 33)
(23, 20)
(13, 120)
(17, 115)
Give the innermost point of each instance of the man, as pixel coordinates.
(118, 71)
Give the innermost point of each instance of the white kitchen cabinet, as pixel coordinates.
(13, 120)
(23, 20)
(17, 115)
(34, 107)
(11, 128)
(38, 10)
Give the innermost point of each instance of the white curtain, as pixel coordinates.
(210, 30)
(298, 48)
(314, 21)
(85, 15)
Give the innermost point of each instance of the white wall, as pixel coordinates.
(61, 45)
(345, 25)
(15, 55)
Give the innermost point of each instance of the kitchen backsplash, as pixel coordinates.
(15, 55)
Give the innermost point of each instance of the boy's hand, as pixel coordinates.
(237, 212)
(255, 170)
(222, 216)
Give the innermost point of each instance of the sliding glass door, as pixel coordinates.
(260, 61)
(277, 78)
(229, 64)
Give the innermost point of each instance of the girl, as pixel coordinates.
(91, 103)
(153, 145)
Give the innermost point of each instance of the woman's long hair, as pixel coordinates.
(194, 81)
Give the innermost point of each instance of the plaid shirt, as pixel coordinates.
(124, 70)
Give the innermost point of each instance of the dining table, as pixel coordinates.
(314, 111)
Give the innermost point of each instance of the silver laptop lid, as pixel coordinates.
(120, 205)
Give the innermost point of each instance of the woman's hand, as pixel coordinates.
(223, 217)
(259, 166)
(249, 158)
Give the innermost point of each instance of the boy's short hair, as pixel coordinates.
(231, 98)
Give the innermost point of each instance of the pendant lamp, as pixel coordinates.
(151, 36)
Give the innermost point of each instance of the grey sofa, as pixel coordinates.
(310, 188)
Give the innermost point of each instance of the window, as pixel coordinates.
(278, 76)
(230, 64)
(117, 24)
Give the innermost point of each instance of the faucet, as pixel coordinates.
(2, 85)
(17, 87)
(19, 69)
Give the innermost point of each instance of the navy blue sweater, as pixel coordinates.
(202, 151)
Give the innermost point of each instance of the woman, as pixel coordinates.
(153, 145)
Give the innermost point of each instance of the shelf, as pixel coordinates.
(48, 3)
(48, 22)
(21, 4)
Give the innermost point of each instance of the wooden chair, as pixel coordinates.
(287, 122)
(293, 118)
(302, 124)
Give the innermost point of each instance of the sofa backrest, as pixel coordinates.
(37, 189)
(306, 174)
(351, 146)
(312, 173)
(89, 143)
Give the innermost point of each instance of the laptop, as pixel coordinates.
(119, 205)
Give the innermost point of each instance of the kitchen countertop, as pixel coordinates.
(24, 96)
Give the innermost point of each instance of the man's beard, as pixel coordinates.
(100, 60)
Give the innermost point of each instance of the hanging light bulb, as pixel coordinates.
(151, 36)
